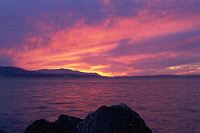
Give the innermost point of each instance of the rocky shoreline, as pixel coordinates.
(114, 119)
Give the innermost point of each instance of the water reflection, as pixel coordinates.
(164, 105)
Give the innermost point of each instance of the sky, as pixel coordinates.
(109, 37)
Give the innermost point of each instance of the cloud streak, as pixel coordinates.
(110, 37)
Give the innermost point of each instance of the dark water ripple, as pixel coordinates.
(166, 105)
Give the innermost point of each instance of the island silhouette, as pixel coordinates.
(42, 73)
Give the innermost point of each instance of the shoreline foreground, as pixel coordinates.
(114, 119)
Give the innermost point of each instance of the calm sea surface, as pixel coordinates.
(167, 105)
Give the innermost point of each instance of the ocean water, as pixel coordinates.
(167, 105)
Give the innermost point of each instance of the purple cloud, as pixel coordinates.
(32, 26)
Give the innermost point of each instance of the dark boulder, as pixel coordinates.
(114, 119)
(2, 131)
(64, 124)
(39, 126)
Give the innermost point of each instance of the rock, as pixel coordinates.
(64, 124)
(2, 131)
(114, 119)
(39, 126)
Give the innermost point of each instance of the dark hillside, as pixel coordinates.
(14, 71)
(11, 72)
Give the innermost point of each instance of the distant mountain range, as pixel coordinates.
(66, 73)
(63, 71)
(19, 72)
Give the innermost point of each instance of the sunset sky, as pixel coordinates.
(109, 37)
